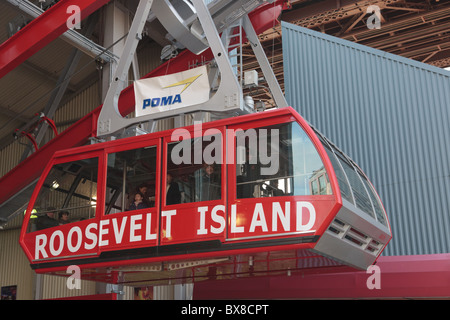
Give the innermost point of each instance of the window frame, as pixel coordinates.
(154, 142)
(195, 134)
(282, 120)
(63, 160)
(27, 238)
(189, 210)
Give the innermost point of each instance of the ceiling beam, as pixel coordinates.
(396, 25)
(12, 114)
(46, 75)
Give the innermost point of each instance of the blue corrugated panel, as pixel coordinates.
(388, 113)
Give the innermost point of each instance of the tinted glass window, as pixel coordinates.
(194, 170)
(69, 194)
(362, 199)
(131, 179)
(379, 210)
(360, 191)
(340, 175)
(278, 160)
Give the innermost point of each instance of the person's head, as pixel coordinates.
(51, 212)
(209, 169)
(138, 197)
(64, 215)
(169, 178)
(143, 188)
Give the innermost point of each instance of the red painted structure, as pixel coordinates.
(400, 277)
(94, 297)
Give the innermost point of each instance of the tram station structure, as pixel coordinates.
(264, 149)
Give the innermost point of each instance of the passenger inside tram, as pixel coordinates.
(196, 180)
(173, 194)
(148, 198)
(207, 184)
(63, 217)
(130, 172)
(139, 202)
(272, 188)
(298, 168)
(47, 220)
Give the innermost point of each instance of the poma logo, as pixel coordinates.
(172, 99)
(164, 101)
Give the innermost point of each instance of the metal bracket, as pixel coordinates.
(274, 86)
(110, 117)
(229, 95)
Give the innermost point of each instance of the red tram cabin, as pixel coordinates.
(250, 195)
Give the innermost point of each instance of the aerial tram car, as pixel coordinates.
(254, 193)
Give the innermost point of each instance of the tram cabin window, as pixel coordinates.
(69, 194)
(340, 174)
(194, 170)
(362, 198)
(278, 160)
(131, 178)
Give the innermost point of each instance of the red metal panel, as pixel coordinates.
(420, 276)
(79, 133)
(105, 296)
(41, 31)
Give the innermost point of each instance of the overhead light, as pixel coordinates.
(54, 185)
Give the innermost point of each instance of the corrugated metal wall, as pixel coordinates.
(14, 267)
(392, 116)
(10, 155)
(56, 287)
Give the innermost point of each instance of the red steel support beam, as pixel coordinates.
(79, 133)
(41, 31)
